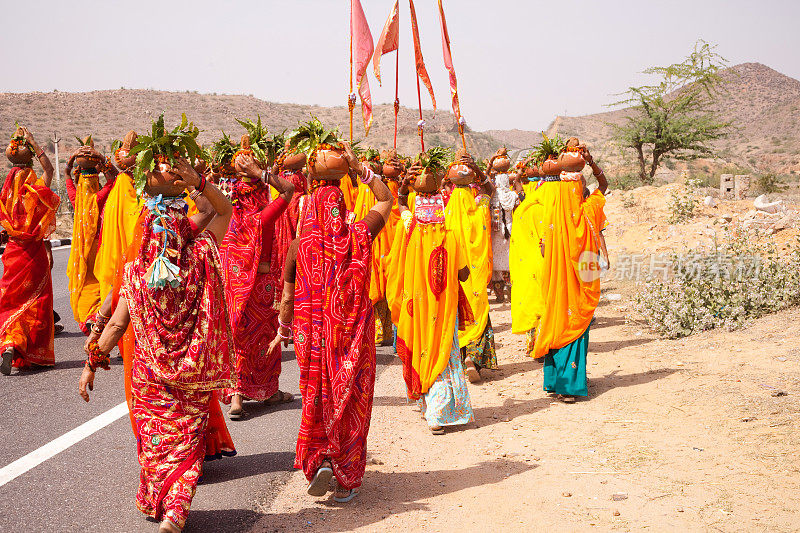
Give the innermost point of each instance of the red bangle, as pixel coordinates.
(202, 185)
(40, 154)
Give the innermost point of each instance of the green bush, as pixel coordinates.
(683, 203)
(727, 286)
(768, 183)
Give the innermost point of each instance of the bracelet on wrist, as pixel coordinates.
(368, 176)
(202, 185)
(97, 358)
(282, 324)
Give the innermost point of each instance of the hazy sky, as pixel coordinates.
(506, 52)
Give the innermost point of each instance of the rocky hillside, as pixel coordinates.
(107, 115)
(762, 104)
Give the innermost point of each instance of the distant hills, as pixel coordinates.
(764, 106)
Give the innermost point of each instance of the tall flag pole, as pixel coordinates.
(422, 73)
(362, 45)
(351, 96)
(389, 41)
(448, 63)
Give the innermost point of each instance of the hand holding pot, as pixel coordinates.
(352, 159)
(184, 173)
(586, 155)
(246, 166)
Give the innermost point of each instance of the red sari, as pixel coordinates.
(218, 439)
(334, 333)
(27, 213)
(251, 295)
(286, 225)
(182, 354)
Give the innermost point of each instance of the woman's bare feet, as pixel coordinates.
(168, 526)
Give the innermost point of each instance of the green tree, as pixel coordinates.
(674, 116)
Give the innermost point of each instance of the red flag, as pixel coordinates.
(388, 41)
(448, 62)
(422, 72)
(363, 48)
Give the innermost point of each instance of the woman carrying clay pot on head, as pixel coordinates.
(466, 215)
(83, 188)
(502, 208)
(326, 307)
(251, 281)
(173, 295)
(432, 307)
(290, 167)
(28, 217)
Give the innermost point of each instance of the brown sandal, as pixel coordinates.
(279, 398)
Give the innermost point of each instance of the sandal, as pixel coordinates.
(346, 496)
(321, 482)
(437, 430)
(5, 366)
(279, 398)
(472, 372)
(567, 399)
(237, 414)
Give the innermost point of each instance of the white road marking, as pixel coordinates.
(56, 446)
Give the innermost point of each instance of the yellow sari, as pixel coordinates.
(468, 222)
(84, 289)
(120, 216)
(365, 200)
(526, 259)
(425, 321)
(570, 284)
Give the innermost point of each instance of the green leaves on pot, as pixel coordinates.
(223, 151)
(81, 141)
(436, 159)
(547, 149)
(181, 141)
(260, 144)
(371, 154)
(310, 135)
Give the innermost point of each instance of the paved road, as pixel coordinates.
(91, 485)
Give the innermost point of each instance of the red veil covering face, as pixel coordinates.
(175, 293)
(334, 334)
(28, 214)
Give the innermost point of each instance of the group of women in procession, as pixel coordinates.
(198, 264)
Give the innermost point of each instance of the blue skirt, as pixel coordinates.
(565, 368)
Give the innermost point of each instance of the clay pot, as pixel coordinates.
(427, 181)
(294, 161)
(389, 171)
(501, 164)
(461, 174)
(23, 156)
(161, 182)
(571, 161)
(551, 168)
(330, 165)
(128, 142)
(532, 172)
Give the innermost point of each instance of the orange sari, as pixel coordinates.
(27, 213)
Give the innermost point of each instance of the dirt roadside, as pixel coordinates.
(696, 434)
